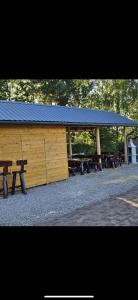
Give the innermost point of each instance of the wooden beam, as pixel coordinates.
(70, 145)
(98, 145)
(80, 129)
(125, 146)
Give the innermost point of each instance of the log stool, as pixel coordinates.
(5, 164)
(21, 174)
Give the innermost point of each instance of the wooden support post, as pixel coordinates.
(125, 146)
(70, 145)
(98, 146)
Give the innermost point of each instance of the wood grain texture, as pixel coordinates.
(44, 147)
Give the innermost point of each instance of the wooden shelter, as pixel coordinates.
(37, 133)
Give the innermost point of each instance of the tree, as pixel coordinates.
(118, 95)
(5, 91)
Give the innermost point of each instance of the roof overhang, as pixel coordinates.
(69, 124)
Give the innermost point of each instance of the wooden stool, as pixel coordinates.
(5, 164)
(21, 174)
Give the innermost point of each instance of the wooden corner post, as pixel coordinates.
(125, 146)
(98, 144)
(70, 145)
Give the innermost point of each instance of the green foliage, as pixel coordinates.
(111, 140)
(5, 92)
(83, 148)
(84, 142)
(119, 95)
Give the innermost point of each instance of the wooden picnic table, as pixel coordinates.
(81, 162)
(113, 160)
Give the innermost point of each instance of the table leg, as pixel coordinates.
(100, 166)
(82, 168)
(88, 168)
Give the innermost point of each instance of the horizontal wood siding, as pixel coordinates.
(44, 148)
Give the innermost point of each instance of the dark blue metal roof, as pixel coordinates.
(21, 112)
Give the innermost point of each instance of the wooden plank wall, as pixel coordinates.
(44, 147)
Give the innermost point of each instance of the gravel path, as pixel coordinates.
(121, 210)
(47, 202)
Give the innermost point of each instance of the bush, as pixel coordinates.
(84, 148)
(110, 142)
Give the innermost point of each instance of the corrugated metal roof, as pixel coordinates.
(20, 112)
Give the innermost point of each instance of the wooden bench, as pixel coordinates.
(113, 161)
(21, 172)
(72, 170)
(5, 164)
(94, 162)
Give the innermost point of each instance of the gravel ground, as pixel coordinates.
(43, 204)
(121, 210)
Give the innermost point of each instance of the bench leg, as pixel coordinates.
(5, 187)
(88, 168)
(13, 183)
(73, 173)
(23, 183)
(95, 167)
(113, 165)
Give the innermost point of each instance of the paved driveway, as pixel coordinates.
(44, 204)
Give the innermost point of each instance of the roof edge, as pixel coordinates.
(66, 124)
